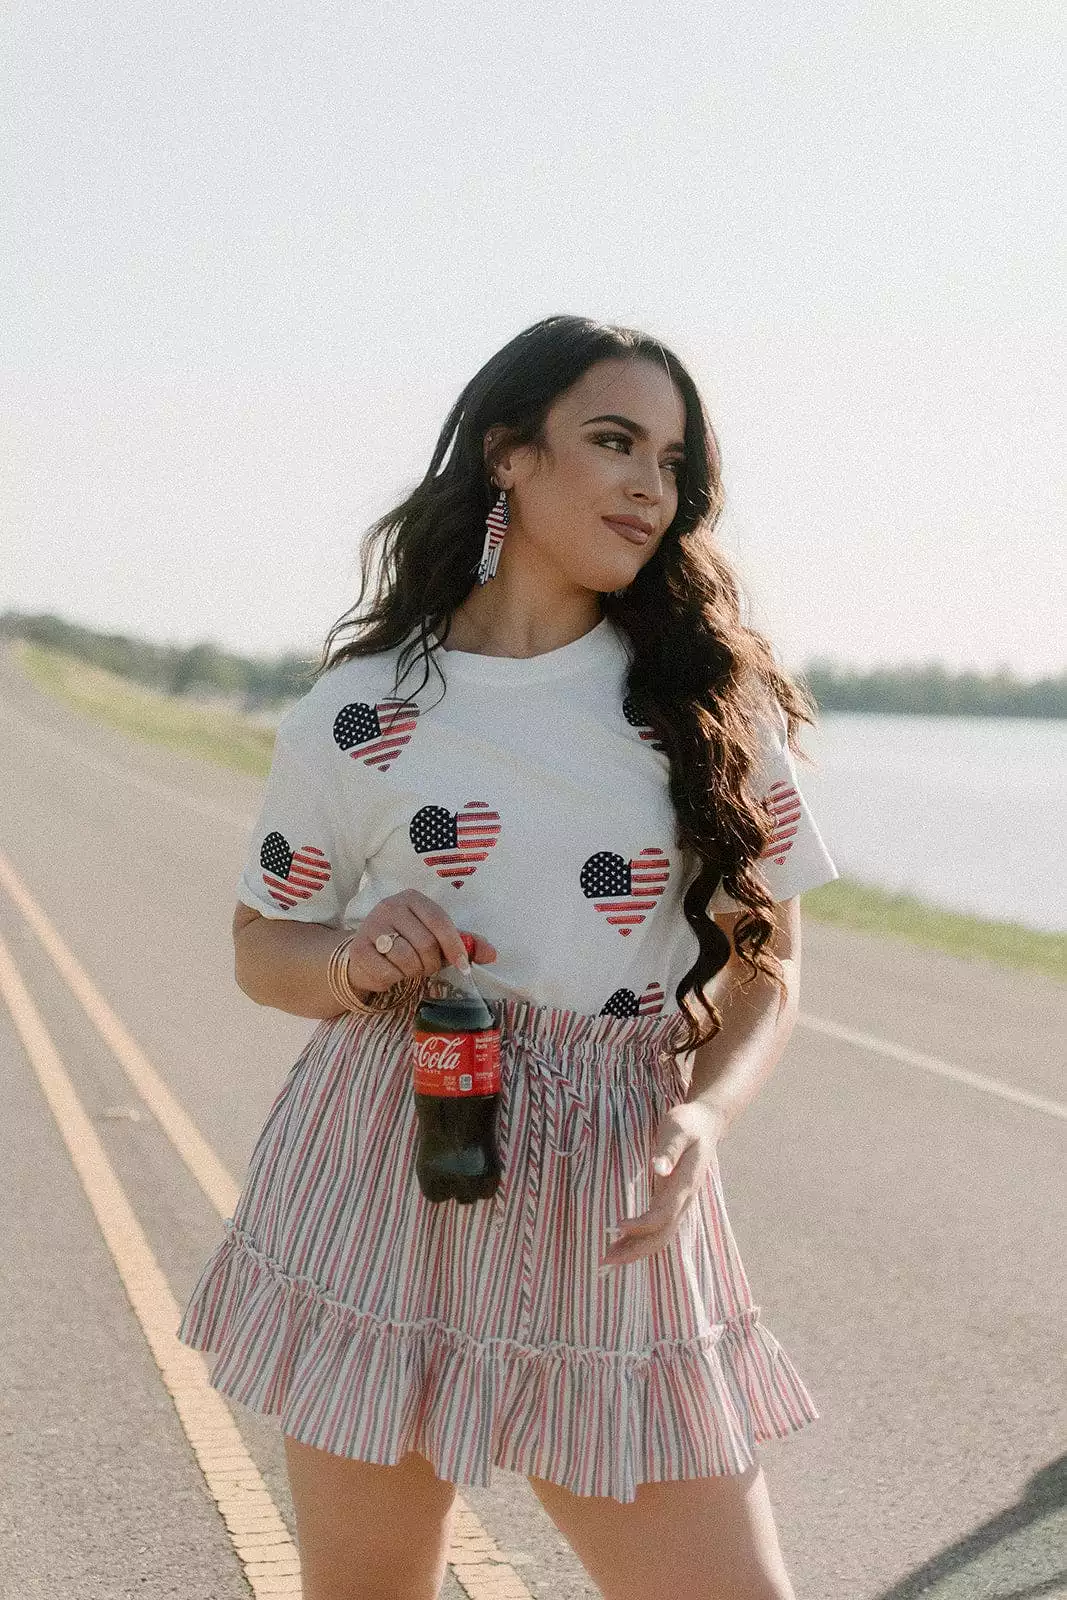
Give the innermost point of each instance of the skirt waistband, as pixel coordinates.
(579, 1031)
(557, 1030)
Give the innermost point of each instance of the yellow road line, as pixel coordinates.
(260, 1539)
(257, 1531)
(179, 1127)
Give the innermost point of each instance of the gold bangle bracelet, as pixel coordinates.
(348, 997)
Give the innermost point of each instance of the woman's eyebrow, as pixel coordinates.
(634, 427)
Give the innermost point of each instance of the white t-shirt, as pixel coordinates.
(527, 799)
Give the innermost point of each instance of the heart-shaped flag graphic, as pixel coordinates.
(625, 891)
(624, 1003)
(636, 720)
(292, 875)
(454, 842)
(783, 802)
(375, 734)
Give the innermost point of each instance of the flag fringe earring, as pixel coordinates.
(495, 526)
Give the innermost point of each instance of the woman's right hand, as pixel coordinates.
(429, 940)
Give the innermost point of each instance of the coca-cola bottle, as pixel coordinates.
(457, 1088)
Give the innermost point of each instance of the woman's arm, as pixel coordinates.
(282, 963)
(730, 1069)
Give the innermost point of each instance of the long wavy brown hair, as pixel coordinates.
(700, 678)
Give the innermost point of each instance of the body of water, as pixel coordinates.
(966, 812)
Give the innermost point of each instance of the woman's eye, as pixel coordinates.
(622, 438)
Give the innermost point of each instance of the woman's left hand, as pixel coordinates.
(686, 1144)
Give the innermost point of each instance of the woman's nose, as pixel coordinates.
(648, 484)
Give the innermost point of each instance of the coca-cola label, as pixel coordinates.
(457, 1063)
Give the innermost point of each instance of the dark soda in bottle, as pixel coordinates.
(457, 1088)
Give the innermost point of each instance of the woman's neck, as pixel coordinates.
(486, 625)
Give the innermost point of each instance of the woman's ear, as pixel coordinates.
(489, 445)
(495, 453)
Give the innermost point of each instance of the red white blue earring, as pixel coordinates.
(495, 526)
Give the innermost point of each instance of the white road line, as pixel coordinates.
(944, 1069)
(269, 1559)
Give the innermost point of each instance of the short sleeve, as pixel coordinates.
(796, 858)
(303, 861)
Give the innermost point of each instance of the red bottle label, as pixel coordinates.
(457, 1063)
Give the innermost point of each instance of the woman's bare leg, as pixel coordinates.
(704, 1538)
(369, 1532)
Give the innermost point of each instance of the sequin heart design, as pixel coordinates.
(292, 875)
(375, 734)
(624, 1003)
(625, 891)
(783, 803)
(454, 843)
(636, 720)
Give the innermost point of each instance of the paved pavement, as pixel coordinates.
(901, 1228)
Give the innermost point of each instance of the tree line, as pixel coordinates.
(201, 669)
(255, 683)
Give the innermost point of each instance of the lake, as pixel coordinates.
(966, 812)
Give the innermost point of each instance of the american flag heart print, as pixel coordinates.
(634, 886)
(375, 734)
(292, 875)
(455, 843)
(624, 1003)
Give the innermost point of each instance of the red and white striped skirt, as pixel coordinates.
(374, 1322)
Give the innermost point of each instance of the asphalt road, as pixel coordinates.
(899, 1225)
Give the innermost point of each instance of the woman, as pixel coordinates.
(589, 798)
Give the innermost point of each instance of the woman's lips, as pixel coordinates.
(635, 535)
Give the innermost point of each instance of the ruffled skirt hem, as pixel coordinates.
(594, 1421)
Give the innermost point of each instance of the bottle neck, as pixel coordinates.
(455, 1013)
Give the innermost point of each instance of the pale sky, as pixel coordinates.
(257, 250)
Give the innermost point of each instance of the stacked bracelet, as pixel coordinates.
(349, 999)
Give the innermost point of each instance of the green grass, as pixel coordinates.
(230, 741)
(862, 906)
(214, 735)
